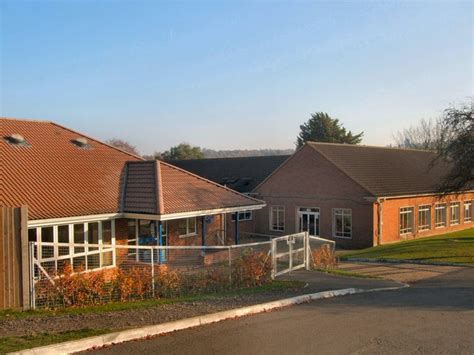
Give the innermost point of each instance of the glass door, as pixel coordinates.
(308, 220)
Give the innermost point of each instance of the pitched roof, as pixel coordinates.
(384, 171)
(55, 177)
(58, 176)
(156, 187)
(242, 174)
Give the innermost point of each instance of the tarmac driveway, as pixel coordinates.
(434, 316)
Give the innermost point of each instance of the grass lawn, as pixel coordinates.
(457, 247)
(15, 343)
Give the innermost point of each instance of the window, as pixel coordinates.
(406, 220)
(342, 222)
(424, 218)
(440, 215)
(187, 227)
(84, 246)
(454, 215)
(277, 218)
(467, 211)
(243, 216)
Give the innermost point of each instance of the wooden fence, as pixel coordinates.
(14, 260)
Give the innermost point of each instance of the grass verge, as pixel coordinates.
(15, 343)
(275, 285)
(457, 247)
(11, 344)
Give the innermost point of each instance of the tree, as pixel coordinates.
(426, 135)
(124, 145)
(183, 151)
(322, 128)
(456, 146)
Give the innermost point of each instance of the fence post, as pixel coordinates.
(31, 263)
(307, 250)
(230, 266)
(274, 258)
(25, 268)
(152, 271)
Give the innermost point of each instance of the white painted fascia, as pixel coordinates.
(166, 217)
(180, 215)
(73, 219)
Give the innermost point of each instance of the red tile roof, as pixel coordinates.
(54, 177)
(159, 188)
(385, 171)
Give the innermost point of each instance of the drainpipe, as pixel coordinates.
(379, 221)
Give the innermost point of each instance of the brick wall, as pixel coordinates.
(309, 180)
(391, 217)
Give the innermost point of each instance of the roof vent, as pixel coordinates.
(16, 139)
(81, 142)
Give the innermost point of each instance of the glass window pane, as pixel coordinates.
(192, 225)
(63, 237)
(47, 236)
(93, 235)
(79, 237)
(107, 232)
(182, 230)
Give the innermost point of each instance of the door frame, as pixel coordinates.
(297, 219)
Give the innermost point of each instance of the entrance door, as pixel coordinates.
(308, 220)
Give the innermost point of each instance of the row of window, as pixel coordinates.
(243, 216)
(85, 246)
(440, 216)
(309, 220)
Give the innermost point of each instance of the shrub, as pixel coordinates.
(323, 257)
(251, 269)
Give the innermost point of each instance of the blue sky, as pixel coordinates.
(229, 75)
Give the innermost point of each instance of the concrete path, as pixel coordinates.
(407, 273)
(434, 316)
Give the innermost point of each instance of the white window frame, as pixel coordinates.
(102, 248)
(243, 216)
(452, 206)
(346, 212)
(188, 232)
(406, 210)
(465, 204)
(278, 209)
(424, 227)
(440, 206)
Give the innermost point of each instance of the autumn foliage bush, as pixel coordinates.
(324, 257)
(138, 281)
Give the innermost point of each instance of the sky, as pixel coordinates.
(232, 75)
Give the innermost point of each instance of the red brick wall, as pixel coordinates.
(212, 230)
(121, 236)
(391, 217)
(309, 180)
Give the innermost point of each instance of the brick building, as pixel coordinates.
(242, 174)
(360, 196)
(80, 191)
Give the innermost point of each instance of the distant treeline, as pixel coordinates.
(211, 153)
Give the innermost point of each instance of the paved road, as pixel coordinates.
(433, 316)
